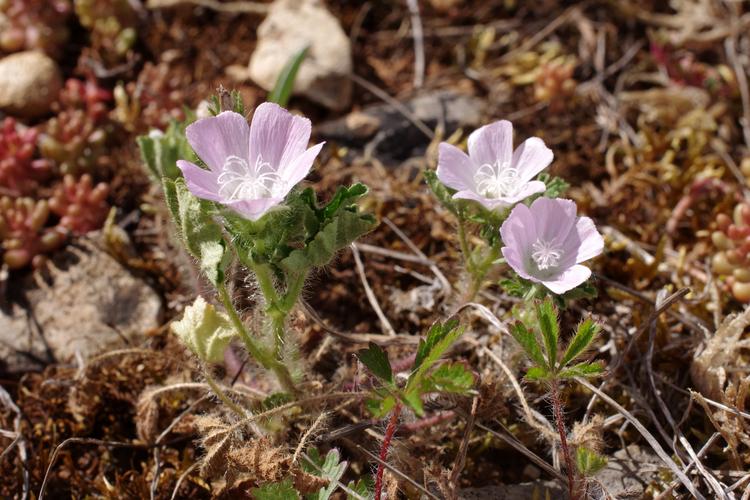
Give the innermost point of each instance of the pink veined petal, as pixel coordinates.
(592, 243)
(491, 143)
(519, 231)
(298, 169)
(254, 209)
(554, 218)
(515, 261)
(568, 280)
(277, 135)
(217, 137)
(200, 182)
(530, 188)
(455, 168)
(489, 203)
(531, 157)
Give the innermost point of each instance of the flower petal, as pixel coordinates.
(528, 189)
(491, 143)
(568, 280)
(592, 243)
(277, 135)
(455, 168)
(298, 168)
(554, 218)
(254, 209)
(489, 203)
(531, 157)
(217, 137)
(515, 261)
(200, 182)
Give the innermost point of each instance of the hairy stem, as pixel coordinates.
(389, 432)
(464, 243)
(255, 350)
(480, 271)
(569, 466)
(222, 395)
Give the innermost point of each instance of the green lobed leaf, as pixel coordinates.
(201, 234)
(437, 332)
(556, 186)
(452, 378)
(284, 86)
(275, 400)
(376, 360)
(342, 230)
(413, 399)
(538, 373)
(587, 330)
(516, 286)
(584, 369)
(546, 314)
(589, 462)
(363, 487)
(440, 337)
(380, 406)
(331, 468)
(276, 491)
(529, 342)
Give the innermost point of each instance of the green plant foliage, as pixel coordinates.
(548, 324)
(276, 491)
(329, 467)
(556, 186)
(376, 360)
(452, 378)
(585, 334)
(282, 90)
(529, 343)
(275, 400)
(581, 370)
(443, 193)
(363, 487)
(225, 100)
(160, 152)
(589, 462)
(201, 234)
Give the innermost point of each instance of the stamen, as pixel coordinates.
(497, 180)
(239, 181)
(546, 254)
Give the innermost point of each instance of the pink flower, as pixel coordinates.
(546, 243)
(252, 168)
(492, 173)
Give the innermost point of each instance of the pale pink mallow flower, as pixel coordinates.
(251, 168)
(546, 242)
(492, 173)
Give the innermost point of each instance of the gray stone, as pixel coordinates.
(291, 25)
(29, 83)
(89, 303)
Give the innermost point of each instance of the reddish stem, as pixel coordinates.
(389, 432)
(557, 409)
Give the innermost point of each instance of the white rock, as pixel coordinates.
(289, 27)
(29, 83)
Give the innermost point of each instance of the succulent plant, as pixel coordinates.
(23, 233)
(684, 68)
(81, 206)
(84, 95)
(19, 170)
(112, 27)
(34, 25)
(732, 241)
(155, 99)
(554, 82)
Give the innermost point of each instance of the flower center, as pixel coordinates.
(546, 254)
(240, 181)
(497, 180)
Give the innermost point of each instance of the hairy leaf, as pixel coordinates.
(589, 462)
(450, 377)
(282, 90)
(584, 369)
(276, 491)
(555, 185)
(413, 399)
(201, 234)
(529, 343)
(443, 193)
(585, 334)
(538, 373)
(546, 314)
(330, 468)
(363, 487)
(380, 406)
(160, 151)
(376, 360)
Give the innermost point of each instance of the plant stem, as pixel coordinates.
(389, 432)
(557, 410)
(480, 271)
(222, 395)
(464, 243)
(255, 350)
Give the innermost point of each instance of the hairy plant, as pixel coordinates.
(81, 206)
(23, 233)
(538, 335)
(427, 376)
(34, 25)
(19, 170)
